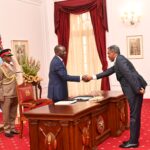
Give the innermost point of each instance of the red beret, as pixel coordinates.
(5, 52)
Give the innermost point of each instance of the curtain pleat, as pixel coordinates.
(97, 9)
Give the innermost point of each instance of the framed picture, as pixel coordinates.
(20, 48)
(135, 46)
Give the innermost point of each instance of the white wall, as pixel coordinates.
(118, 32)
(28, 20)
(21, 21)
(49, 40)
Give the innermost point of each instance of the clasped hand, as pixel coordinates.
(86, 78)
(142, 91)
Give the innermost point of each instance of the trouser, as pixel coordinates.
(135, 104)
(9, 110)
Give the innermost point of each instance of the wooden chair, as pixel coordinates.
(27, 101)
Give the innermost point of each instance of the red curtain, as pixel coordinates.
(97, 9)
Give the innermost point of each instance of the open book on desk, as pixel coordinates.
(67, 102)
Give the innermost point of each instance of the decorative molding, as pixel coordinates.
(86, 135)
(50, 139)
(33, 2)
(100, 124)
(121, 110)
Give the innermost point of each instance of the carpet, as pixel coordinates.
(111, 143)
(16, 143)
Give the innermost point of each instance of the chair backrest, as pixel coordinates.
(25, 92)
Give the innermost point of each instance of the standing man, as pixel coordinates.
(133, 86)
(58, 77)
(8, 99)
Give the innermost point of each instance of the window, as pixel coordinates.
(83, 56)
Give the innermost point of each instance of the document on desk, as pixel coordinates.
(66, 102)
(96, 99)
(82, 98)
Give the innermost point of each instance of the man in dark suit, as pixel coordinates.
(58, 77)
(133, 86)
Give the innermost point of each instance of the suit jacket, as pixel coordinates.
(58, 77)
(7, 81)
(126, 74)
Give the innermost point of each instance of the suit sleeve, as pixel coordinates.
(106, 73)
(62, 72)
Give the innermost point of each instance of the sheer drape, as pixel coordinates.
(82, 56)
(97, 9)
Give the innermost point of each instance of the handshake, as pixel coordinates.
(87, 78)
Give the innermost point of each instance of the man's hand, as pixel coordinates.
(86, 78)
(142, 91)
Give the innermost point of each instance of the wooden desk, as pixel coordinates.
(79, 126)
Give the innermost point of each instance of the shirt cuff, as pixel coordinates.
(94, 77)
(80, 77)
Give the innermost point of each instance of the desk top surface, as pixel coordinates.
(73, 109)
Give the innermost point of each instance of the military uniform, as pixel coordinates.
(8, 98)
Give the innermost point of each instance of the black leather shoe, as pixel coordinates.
(125, 142)
(14, 131)
(129, 145)
(9, 135)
